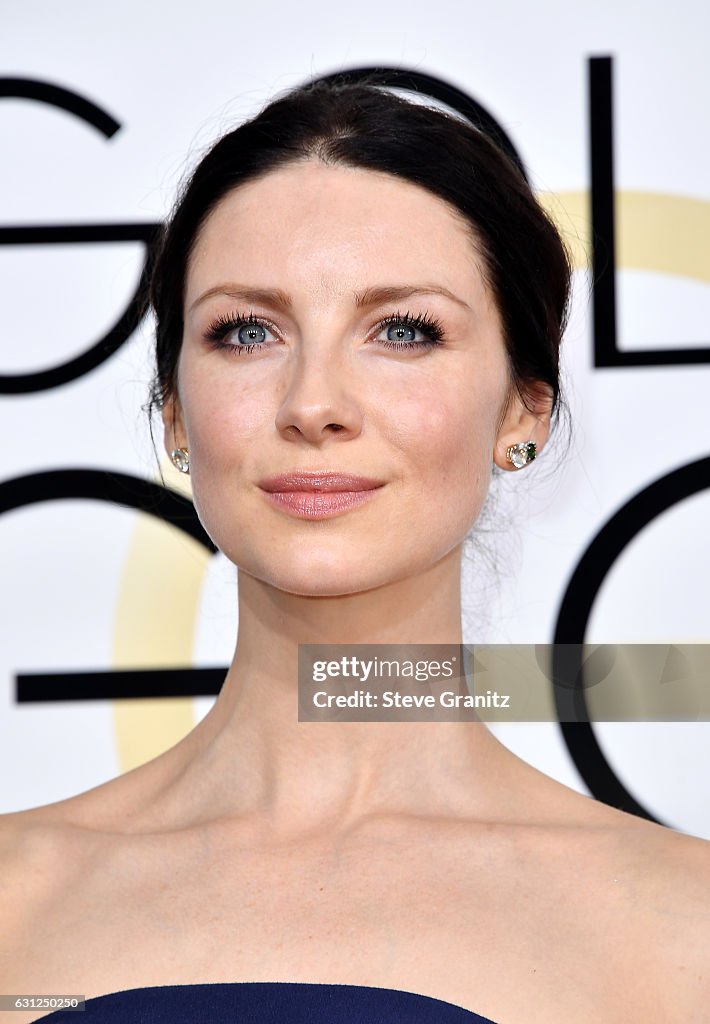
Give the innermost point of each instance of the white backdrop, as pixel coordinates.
(88, 585)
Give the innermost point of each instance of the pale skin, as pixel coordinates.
(417, 856)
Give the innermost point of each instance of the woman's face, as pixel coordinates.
(331, 266)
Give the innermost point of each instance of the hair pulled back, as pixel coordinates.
(362, 125)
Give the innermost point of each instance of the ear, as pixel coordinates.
(525, 417)
(174, 433)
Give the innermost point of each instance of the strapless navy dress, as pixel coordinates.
(265, 1002)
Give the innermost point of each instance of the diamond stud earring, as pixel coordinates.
(522, 453)
(180, 458)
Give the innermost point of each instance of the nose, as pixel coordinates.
(320, 398)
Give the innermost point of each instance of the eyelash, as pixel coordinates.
(428, 325)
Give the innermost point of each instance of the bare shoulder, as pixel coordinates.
(644, 891)
(28, 848)
(671, 868)
(42, 854)
(27, 840)
(37, 847)
(666, 877)
(31, 836)
(675, 869)
(677, 891)
(45, 850)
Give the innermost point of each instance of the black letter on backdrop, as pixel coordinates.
(99, 351)
(606, 352)
(575, 611)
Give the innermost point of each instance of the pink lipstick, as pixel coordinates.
(318, 494)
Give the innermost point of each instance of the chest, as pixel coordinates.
(490, 928)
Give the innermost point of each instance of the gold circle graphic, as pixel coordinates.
(155, 621)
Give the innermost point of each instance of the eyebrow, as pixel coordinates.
(363, 300)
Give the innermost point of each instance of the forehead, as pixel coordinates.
(331, 229)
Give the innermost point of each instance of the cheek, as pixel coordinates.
(224, 432)
(446, 432)
(225, 437)
(221, 424)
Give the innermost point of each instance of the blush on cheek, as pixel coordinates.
(415, 424)
(225, 426)
(440, 429)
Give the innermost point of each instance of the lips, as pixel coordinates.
(318, 482)
(319, 494)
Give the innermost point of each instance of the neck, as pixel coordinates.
(250, 757)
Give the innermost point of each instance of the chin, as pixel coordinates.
(310, 576)
(321, 590)
(315, 583)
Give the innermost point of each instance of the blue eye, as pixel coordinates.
(249, 333)
(401, 331)
(242, 334)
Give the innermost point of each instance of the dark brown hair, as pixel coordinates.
(361, 125)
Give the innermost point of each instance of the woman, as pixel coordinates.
(354, 285)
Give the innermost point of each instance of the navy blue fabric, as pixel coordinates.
(266, 1002)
